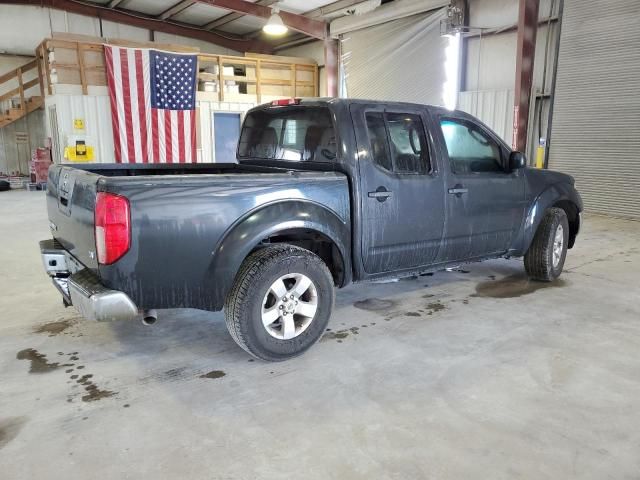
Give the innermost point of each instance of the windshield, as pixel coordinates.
(299, 134)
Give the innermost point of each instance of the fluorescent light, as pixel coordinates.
(275, 25)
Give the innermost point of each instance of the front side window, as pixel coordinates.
(398, 142)
(301, 134)
(470, 150)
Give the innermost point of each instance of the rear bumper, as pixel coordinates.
(82, 288)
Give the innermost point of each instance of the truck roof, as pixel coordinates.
(319, 101)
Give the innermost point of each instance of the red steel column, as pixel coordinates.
(527, 30)
(331, 65)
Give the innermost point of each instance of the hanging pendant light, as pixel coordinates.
(275, 25)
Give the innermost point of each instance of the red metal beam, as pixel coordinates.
(331, 53)
(300, 23)
(527, 31)
(230, 17)
(150, 23)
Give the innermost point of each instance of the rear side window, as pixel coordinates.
(398, 142)
(300, 134)
(470, 150)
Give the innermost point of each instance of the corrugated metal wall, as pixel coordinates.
(493, 107)
(401, 60)
(596, 118)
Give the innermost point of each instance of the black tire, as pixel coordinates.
(538, 261)
(243, 305)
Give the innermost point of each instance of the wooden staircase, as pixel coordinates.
(22, 104)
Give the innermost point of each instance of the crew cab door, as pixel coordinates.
(401, 193)
(484, 200)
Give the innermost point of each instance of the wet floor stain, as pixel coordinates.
(412, 314)
(513, 286)
(340, 335)
(94, 393)
(39, 362)
(375, 304)
(9, 429)
(213, 374)
(54, 328)
(434, 307)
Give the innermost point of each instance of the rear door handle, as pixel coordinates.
(381, 194)
(458, 190)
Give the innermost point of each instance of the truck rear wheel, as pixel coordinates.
(545, 258)
(280, 302)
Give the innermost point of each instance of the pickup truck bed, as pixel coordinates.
(180, 219)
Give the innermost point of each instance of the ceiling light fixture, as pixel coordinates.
(275, 25)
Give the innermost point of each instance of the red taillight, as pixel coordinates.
(113, 229)
(285, 101)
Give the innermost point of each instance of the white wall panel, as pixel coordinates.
(492, 107)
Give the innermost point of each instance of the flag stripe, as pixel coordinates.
(193, 143)
(168, 140)
(124, 154)
(142, 110)
(135, 149)
(126, 98)
(108, 52)
(180, 135)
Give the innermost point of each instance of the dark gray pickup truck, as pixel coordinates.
(325, 193)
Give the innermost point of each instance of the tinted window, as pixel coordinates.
(470, 149)
(408, 143)
(398, 142)
(288, 133)
(378, 140)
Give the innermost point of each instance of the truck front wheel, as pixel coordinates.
(545, 258)
(280, 302)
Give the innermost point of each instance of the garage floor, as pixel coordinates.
(467, 374)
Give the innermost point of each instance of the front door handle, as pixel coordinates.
(381, 194)
(458, 190)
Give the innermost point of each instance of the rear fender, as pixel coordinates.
(249, 231)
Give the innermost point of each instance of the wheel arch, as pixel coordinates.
(297, 222)
(559, 196)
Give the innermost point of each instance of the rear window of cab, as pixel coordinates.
(297, 134)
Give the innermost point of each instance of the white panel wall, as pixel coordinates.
(95, 111)
(493, 107)
(206, 132)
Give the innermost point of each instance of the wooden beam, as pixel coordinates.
(177, 8)
(300, 23)
(149, 23)
(233, 16)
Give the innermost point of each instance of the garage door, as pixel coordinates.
(596, 118)
(401, 60)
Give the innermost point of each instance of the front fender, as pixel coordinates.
(548, 198)
(242, 237)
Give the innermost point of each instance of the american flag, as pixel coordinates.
(152, 95)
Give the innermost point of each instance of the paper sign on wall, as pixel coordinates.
(78, 124)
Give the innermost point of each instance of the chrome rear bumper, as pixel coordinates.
(81, 288)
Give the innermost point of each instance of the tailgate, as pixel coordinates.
(71, 196)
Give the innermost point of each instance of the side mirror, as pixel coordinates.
(517, 160)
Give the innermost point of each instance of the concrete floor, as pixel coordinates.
(469, 374)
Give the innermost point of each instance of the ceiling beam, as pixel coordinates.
(300, 23)
(149, 23)
(177, 8)
(233, 16)
(331, 8)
